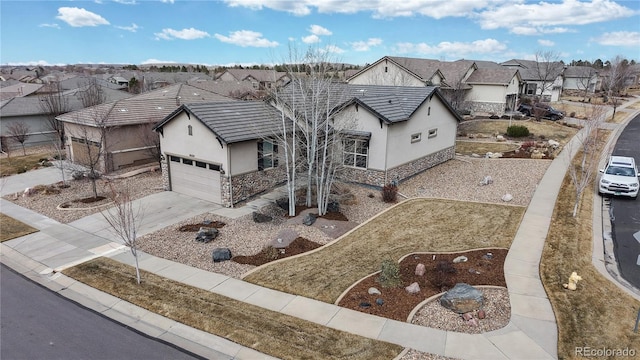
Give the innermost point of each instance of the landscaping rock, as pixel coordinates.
(500, 138)
(481, 314)
(373, 291)
(488, 256)
(462, 298)
(460, 259)
(283, 203)
(379, 301)
(206, 234)
(467, 316)
(365, 304)
(261, 218)
(486, 180)
(221, 254)
(507, 197)
(413, 288)
(420, 269)
(554, 144)
(309, 219)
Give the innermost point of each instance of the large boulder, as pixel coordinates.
(462, 298)
(261, 218)
(221, 254)
(309, 219)
(206, 234)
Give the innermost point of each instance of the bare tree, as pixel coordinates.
(456, 93)
(125, 219)
(547, 69)
(150, 140)
(53, 104)
(92, 93)
(585, 77)
(19, 132)
(582, 171)
(614, 80)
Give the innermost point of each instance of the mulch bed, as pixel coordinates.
(398, 303)
(196, 227)
(298, 246)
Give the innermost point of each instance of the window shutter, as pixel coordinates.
(275, 155)
(260, 159)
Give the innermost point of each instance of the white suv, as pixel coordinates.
(620, 177)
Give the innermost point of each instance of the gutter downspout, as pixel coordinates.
(230, 182)
(386, 155)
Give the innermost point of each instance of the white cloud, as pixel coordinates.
(246, 38)
(544, 42)
(79, 17)
(319, 30)
(184, 34)
(619, 38)
(332, 49)
(548, 17)
(365, 45)
(156, 61)
(299, 8)
(132, 28)
(126, 2)
(453, 49)
(167, 1)
(53, 25)
(311, 39)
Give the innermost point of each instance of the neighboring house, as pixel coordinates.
(30, 110)
(217, 151)
(19, 89)
(260, 79)
(580, 79)
(468, 85)
(121, 131)
(241, 90)
(540, 79)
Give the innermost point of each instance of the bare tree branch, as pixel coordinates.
(19, 132)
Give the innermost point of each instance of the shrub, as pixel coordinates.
(517, 131)
(271, 253)
(444, 271)
(389, 274)
(572, 114)
(527, 144)
(390, 193)
(77, 175)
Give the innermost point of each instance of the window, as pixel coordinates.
(416, 137)
(190, 129)
(174, 158)
(267, 155)
(214, 167)
(200, 164)
(433, 133)
(386, 69)
(429, 111)
(531, 89)
(187, 161)
(356, 152)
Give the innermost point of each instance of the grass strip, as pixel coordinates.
(269, 332)
(598, 314)
(12, 228)
(416, 225)
(481, 147)
(19, 164)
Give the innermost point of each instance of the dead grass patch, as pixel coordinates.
(269, 332)
(619, 118)
(20, 164)
(416, 225)
(482, 147)
(598, 314)
(12, 228)
(544, 128)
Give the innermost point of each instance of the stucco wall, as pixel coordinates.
(394, 75)
(39, 131)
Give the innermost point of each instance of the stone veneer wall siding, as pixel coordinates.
(399, 173)
(249, 184)
(487, 107)
(164, 167)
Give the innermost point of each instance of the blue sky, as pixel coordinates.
(247, 32)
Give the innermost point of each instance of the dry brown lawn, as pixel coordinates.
(18, 163)
(548, 129)
(415, 225)
(11, 228)
(619, 118)
(482, 147)
(269, 332)
(598, 314)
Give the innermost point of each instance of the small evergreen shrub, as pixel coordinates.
(389, 274)
(517, 131)
(390, 193)
(443, 274)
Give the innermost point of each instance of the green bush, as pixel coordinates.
(517, 131)
(389, 274)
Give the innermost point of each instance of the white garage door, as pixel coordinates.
(195, 178)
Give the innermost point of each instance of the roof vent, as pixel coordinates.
(123, 110)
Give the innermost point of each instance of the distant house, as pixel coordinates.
(540, 79)
(581, 79)
(493, 90)
(399, 71)
(241, 90)
(217, 151)
(121, 130)
(260, 79)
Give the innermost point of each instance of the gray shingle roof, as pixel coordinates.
(424, 68)
(233, 121)
(499, 75)
(152, 106)
(579, 72)
(529, 69)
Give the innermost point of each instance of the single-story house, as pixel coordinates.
(493, 90)
(580, 79)
(260, 79)
(120, 131)
(219, 151)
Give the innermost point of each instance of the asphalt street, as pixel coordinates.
(39, 324)
(626, 212)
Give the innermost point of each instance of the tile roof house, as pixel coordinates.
(540, 79)
(453, 77)
(225, 152)
(120, 131)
